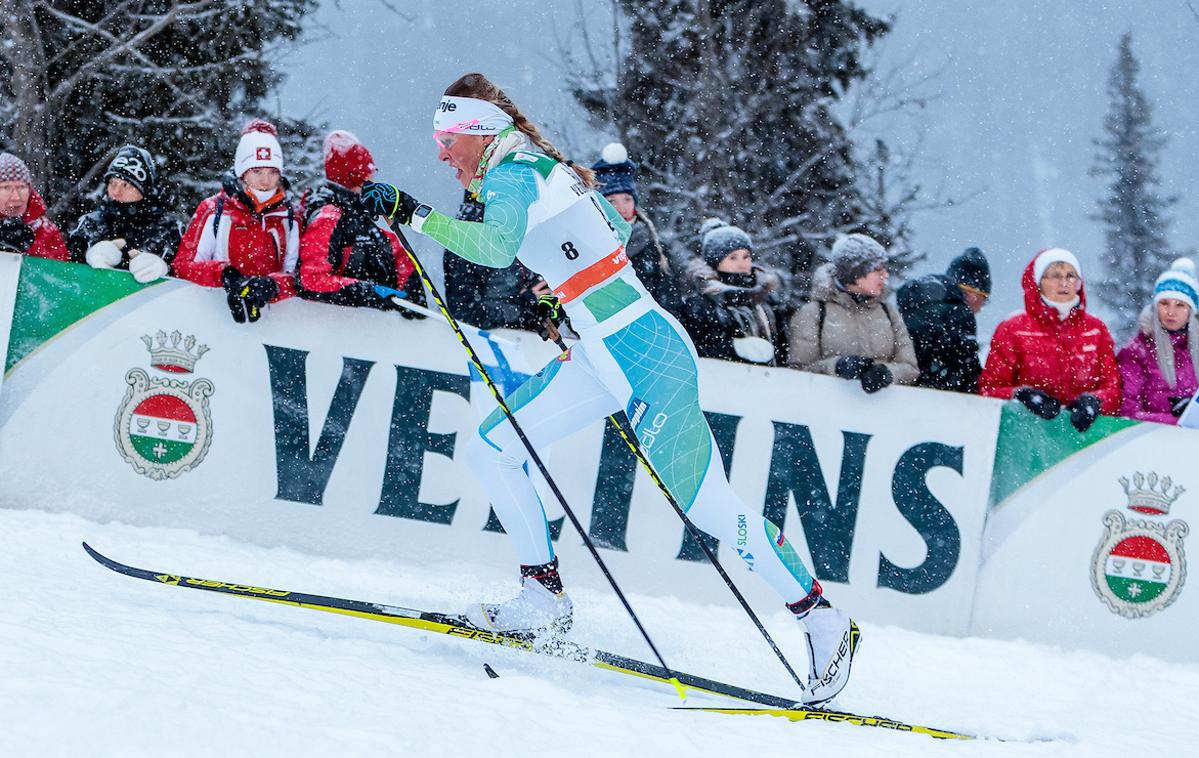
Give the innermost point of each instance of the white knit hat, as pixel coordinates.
(1178, 283)
(258, 148)
(1047, 258)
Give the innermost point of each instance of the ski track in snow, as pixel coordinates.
(98, 664)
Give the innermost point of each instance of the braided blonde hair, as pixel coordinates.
(481, 88)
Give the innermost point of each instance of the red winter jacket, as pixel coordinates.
(48, 241)
(345, 251)
(1062, 358)
(256, 243)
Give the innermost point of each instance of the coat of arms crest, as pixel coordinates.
(163, 426)
(1139, 567)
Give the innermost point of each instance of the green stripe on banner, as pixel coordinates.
(1028, 445)
(53, 295)
(158, 450)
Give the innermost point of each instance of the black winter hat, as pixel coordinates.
(136, 166)
(972, 270)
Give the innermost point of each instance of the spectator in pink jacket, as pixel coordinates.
(1158, 365)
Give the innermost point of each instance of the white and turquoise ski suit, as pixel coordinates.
(632, 356)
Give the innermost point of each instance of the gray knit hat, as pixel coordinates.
(722, 240)
(854, 256)
(13, 169)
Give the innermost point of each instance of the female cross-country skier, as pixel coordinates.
(632, 356)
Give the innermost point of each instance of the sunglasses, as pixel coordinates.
(447, 137)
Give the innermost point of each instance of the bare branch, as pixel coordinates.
(66, 199)
(64, 88)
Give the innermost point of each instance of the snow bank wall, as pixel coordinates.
(337, 432)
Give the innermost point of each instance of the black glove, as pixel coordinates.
(1178, 405)
(1084, 410)
(549, 309)
(852, 366)
(1041, 403)
(384, 199)
(247, 295)
(876, 377)
(15, 234)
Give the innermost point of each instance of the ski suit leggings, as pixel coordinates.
(648, 369)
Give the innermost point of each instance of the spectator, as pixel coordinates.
(246, 237)
(617, 177)
(847, 329)
(732, 315)
(347, 252)
(939, 311)
(132, 227)
(489, 298)
(24, 227)
(1158, 365)
(1054, 354)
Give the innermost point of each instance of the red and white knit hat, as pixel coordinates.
(258, 148)
(13, 169)
(347, 161)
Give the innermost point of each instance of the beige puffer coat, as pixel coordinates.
(871, 329)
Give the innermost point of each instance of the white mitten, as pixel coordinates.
(105, 253)
(146, 267)
(753, 349)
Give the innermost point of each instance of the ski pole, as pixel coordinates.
(499, 399)
(692, 529)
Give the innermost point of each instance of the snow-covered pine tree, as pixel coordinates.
(83, 78)
(1133, 211)
(727, 106)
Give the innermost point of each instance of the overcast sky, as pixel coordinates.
(1018, 99)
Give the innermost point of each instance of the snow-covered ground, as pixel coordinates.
(93, 663)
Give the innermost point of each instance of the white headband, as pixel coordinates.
(469, 115)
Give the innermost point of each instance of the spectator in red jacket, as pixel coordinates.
(1055, 354)
(24, 227)
(349, 256)
(246, 238)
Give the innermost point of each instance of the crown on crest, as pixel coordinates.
(174, 353)
(1150, 494)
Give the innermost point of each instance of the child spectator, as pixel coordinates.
(732, 315)
(347, 252)
(1158, 366)
(939, 311)
(132, 227)
(24, 227)
(1054, 354)
(246, 237)
(847, 329)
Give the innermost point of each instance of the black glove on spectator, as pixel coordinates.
(852, 366)
(875, 377)
(1178, 405)
(1084, 411)
(247, 295)
(550, 309)
(1041, 403)
(15, 234)
(389, 200)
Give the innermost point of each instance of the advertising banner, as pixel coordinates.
(10, 267)
(1086, 545)
(339, 432)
